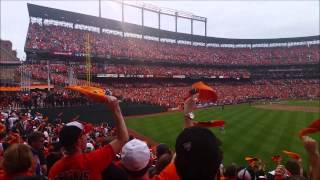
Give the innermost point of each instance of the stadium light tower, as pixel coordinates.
(161, 11)
(99, 8)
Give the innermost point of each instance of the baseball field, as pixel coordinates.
(261, 131)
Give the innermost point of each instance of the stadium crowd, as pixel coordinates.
(58, 39)
(167, 94)
(32, 146)
(156, 71)
(40, 99)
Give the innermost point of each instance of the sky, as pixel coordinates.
(238, 19)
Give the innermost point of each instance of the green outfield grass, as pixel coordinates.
(304, 103)
(248, 131)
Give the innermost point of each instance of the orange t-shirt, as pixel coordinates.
(83, 166)
(168, 173)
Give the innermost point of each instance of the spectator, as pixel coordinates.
(163, 158)
(135, 159)
(293, 167)
(36, 140)
(162, 162)
(231, 172)
(17, 161)
(162, 149)
(90, 165)
(54, 154)
(198, 154)
(311, 147)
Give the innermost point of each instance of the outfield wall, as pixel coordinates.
(99, 112)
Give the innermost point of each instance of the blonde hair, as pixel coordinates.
(17, 158)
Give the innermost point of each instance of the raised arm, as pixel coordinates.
(122, 132)
(311, 147)
(188, 106)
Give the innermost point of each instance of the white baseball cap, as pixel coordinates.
(75, 123)
(135, 155)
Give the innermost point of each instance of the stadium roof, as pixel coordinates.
(78, 18)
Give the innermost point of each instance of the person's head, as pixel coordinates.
(162, 149)
(162, 162)
(231, 171)
(198, 154)
(135, 158)
(54, 147)
(17, 159)
(36, 140)
(72, 137)
(293, 167)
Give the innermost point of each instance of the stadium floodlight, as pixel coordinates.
(162, 11)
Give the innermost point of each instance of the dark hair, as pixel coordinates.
(35, 136)
(68, 138)
(231, 171)
(198, 155)
(162, 149)
(293, 167)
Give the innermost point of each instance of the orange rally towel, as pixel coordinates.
(292, 154)
(206, 93)
(94, 93)
(312, 128)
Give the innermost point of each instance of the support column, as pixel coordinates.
(159, 22)
(142, 16)
(122, 9)
(99, 8)
(192, 31)
(176, 23)
(205, 28)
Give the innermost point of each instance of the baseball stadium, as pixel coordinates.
(98, 98)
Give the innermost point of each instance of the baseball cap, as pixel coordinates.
(70, 133)
(195, 141)
(135, 155)
(198, 153)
